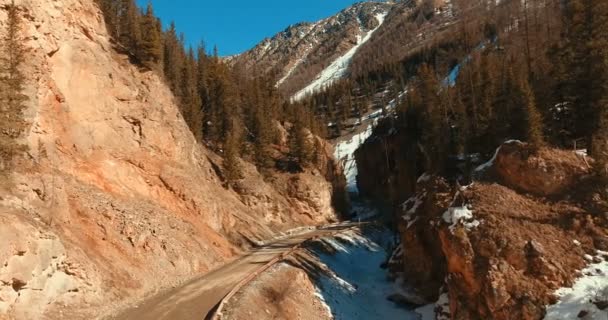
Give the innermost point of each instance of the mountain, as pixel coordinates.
(307, 57)
(314, 54)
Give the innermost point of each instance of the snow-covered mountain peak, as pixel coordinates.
(298, 55)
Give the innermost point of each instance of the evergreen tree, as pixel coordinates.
(461, 136)
(583, 55)
(534, 121)
(129, 27)
(600, 147)
(173, 59)
(300, 145)
(151, 42)
(232, 147)
(263, 128)
(110, 10)
(12, 81)
(191, 104)
(599, 59)
(434, 117)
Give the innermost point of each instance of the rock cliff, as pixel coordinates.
(115, 198)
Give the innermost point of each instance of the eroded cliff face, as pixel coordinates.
(115, 199)
(500, 252)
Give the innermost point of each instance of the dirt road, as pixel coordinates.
(196, 299)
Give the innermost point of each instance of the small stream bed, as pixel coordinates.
(357, 287)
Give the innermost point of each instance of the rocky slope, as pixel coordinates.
(502, 246)
(115, 199)
(302, 51)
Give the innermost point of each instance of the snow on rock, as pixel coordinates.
(439, 310)
(460, 216)
(397, 255)
(357, 288)
(345, 153)
(588, 296)
(410, 206)
(339, 67)
(490, 163)
(424, 178)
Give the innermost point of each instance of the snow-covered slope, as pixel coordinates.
(345, 153)
(301, 53)
(589, 295)
(338, 69)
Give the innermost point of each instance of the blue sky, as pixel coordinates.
(237, 25)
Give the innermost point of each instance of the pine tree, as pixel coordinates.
(263, 131)
(12, 82)
(232, 147)
(600, 147)
(434, 117)
(151, 42)
(461, 136)
(190, 103)
(110, 10)
(129, 31)
(534, 121)
(300, 145)
(583, 56)
(173, 59)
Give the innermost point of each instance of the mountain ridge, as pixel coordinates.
(299, 53)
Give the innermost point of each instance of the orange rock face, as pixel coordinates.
(115, 198)
(544, 173)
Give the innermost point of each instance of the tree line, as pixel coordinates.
(12, 98)
(234, 112)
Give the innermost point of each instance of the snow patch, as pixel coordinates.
(397, 255)
(357, 288)
(424, 178)
(345, 153)
(460, 216)
(410, 206)
(490, 163)
(581, 152)
(588, 291)
(439, 310)
(339, 67)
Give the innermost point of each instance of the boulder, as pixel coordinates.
(544, 172)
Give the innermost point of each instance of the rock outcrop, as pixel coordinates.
(115, 198)
(499, 253)
(544, 173)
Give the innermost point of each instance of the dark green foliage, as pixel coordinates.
(151, 40)
(12, 98)
(232, 147)
(533, 119)
(300, 143)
